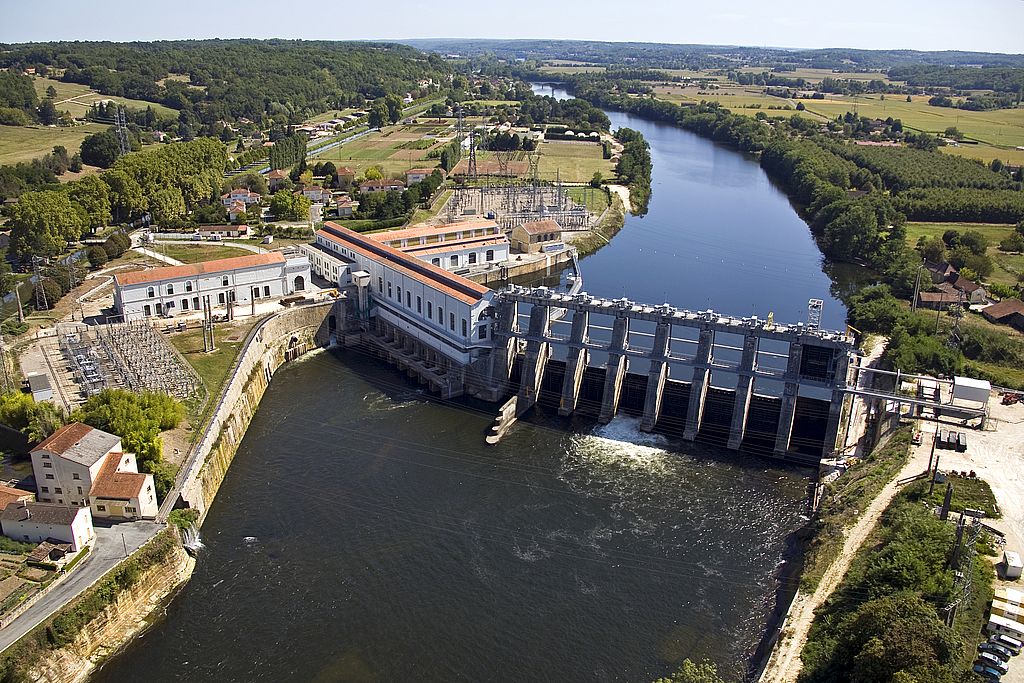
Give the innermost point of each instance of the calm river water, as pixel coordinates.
(365, 533)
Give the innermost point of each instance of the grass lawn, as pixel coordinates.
(389, 148)
(986, 153)
(77, 99)
(421, 215)
(817, 75)
(967, 493)
(195, 253)
(574, 162)
(596, 200)
(747, 100)
(25, 143)
(212, 367)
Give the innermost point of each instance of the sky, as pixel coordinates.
(981, 25)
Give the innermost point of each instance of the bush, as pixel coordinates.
(183, 518)
(97, 257)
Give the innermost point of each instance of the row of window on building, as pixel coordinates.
(453, 260)
(151, 292)
(397, 296)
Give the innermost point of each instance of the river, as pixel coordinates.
(365, 533)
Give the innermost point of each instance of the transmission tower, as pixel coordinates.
(459, 125)
(471, 170)
(956, 311)
(41, 303)
(121, 130)
(534, 163)
(814, 307)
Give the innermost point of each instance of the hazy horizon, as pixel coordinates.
(933, 25)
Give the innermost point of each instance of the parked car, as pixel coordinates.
(988, 673)
(1011, 644)
(992, 661)
(997, 650)
(917, 438)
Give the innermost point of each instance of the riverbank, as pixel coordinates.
(67, 647)
(613, 220)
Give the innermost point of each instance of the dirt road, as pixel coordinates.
(785, 664)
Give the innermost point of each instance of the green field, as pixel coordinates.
(572, 162)
(1008, 266)
(817, 75)
(1000, 127)
(24, 143)
(389, 149)
(421, 215)
(196, 253)
(77, 99)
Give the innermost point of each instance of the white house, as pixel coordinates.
(382, 185)
(416, 175)
(444, 311)
(240, 280)
(67, 462)
(240, 194)
(81, 466)
(38, 522)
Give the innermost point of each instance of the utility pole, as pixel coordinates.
(21, 309)
(932, 475)
(917, 287)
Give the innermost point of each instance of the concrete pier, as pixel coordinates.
(744, 388)
(790, 392)
(535, 359)
(576, 363)
(699, 384)
(656, 377)
(617, 365)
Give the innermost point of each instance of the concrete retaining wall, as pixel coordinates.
(276, 340)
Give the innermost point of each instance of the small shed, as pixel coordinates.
(971, 390)
(39, 385)
(1012, 565)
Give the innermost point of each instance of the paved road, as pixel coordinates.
(109, 549)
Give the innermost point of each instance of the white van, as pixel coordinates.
(1004, 626)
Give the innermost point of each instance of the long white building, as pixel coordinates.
(453, 246)
(441, 310)
(181, 289)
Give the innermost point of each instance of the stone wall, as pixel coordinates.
(118, 624)
(276, 340)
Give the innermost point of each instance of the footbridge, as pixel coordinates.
(743, 382)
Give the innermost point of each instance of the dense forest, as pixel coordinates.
(1000, 79)
(215, 80)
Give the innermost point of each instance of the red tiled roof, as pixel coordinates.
(453, 285)
(427, 230)
(10, 495)
(117, 485)
(64, 438)
(1003, 309)
(541, 227)
(277, 174)
(383, 183)
(195, 269)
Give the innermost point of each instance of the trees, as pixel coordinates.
(92, 196)
(289, 207)
(704, 671)
(100, 149)
(42, 223)
(378, 115)
(167, 206)
(47, 113)
(394, 106)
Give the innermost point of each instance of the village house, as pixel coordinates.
(236, 210)
(207, 231)
(81, 466)
(240, 280)
(972, 291)
(316, 194)
(1006, 312)
(240, 194)
(276, 179)
(46, 523)
(939, 272)
(10, 495)
(537, 236)
(416, 175)
(345, 172)
(345, 206)
(382, 185)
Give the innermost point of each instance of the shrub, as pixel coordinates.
(97, 257)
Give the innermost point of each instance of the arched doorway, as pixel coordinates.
(300, 283)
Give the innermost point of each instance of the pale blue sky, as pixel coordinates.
(986, 25)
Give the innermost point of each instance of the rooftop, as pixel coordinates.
(116, 485)
(428, 230)
(42, 513)
(1003, 309)
(196, 269)
(453, 285)
(427, 249)
(79, 443)
(10, 495)
(541, 227)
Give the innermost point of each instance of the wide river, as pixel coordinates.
(366, 533)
